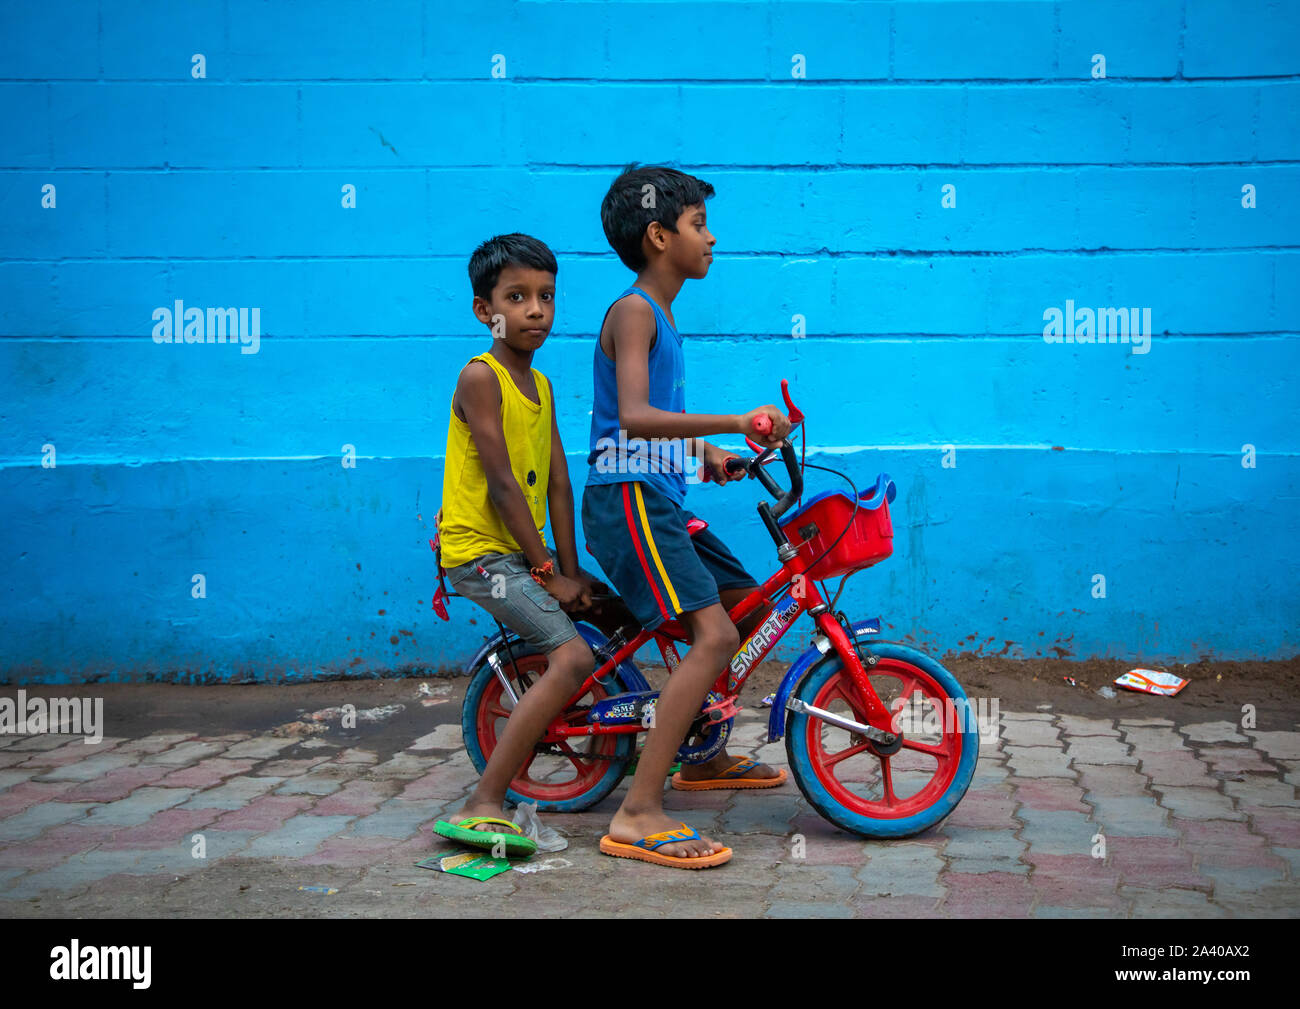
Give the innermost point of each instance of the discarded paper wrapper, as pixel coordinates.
(467, 864)
(1151, 681)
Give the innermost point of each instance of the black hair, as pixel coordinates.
(497, 253)
(624, 213)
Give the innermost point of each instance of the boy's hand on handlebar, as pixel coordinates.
(775, 433)
(715, 460)
(593, 587)
(572, 594)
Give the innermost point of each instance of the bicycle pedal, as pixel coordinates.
(723, 709)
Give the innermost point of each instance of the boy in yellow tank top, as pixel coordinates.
(505, 466)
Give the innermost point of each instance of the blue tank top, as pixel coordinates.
(615, 458)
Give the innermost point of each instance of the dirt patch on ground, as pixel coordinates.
(1217, 691)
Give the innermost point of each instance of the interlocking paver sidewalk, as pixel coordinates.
(1067, 816)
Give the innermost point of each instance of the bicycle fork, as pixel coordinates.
(833, 633)
(830, 635)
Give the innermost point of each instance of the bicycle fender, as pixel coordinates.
(797, 671)
(489, 646)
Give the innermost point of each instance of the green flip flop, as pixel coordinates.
(514, 841)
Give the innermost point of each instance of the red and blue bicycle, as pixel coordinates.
(881, 738)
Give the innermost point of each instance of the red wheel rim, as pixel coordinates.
(546, 777)
(914, 778)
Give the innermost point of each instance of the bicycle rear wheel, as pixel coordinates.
(565, 777)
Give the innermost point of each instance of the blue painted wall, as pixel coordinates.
(924, 323)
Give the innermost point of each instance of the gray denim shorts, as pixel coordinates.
(502, 585)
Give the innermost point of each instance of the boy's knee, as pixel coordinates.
(584, 661)
(731, 635)
(574, 658)
(718, 634)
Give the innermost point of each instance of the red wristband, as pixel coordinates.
(547, 569)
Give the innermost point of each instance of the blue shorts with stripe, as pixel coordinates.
(640, 538)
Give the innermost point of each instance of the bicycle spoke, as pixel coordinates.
(854, 706)
(887, 777)
(498, 711)
(574, 758)
(832, 760)
(934, 751)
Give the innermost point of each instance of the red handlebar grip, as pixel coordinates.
(762, 424)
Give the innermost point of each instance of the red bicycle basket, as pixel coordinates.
(869, 540)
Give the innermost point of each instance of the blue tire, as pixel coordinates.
(852, 812)
(484, 688)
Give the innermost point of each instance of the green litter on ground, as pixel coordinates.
(480, 867)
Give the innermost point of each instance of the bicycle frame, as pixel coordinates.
(623, 714)
(803, 597)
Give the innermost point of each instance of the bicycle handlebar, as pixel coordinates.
(762, 424)
(784, 501)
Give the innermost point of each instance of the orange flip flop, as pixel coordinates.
(732, 777)
(644, 850)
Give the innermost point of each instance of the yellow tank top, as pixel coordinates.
(469, 523)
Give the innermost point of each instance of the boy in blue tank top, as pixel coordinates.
(633, 506)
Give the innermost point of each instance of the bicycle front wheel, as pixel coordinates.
(843, 776)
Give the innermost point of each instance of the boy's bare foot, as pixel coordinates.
(722, 763)
(627, 828)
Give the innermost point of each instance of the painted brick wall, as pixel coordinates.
(830, 130)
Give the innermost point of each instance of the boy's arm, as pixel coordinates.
(479, 395)
(632, 328)
(559, 497)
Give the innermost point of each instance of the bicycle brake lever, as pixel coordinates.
(762, 425)
(795, 414)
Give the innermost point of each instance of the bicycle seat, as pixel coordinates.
(673, 629)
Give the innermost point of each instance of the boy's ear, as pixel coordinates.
(482, 310)
(655, 237)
